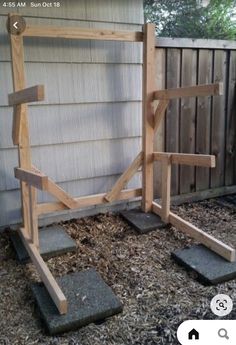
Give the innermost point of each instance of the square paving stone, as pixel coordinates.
(53, 241)
(211, 268)
(90, 299)
(143, 222)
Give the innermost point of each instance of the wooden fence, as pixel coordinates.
(203, 125)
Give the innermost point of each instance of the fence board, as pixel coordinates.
(172, 116)
(160, 59)
(218, 121)
(187, 119)
(203, 130)
(230, 159)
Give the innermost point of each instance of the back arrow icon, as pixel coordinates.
(15, 25)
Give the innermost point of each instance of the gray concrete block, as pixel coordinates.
(53, 241)
(211, 268)
(141, 221)
(90, 299)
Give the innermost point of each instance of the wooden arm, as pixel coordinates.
(31, 94)
(33, 178)
(207, 161)
(190, 91)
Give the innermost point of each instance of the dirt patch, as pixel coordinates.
(157, 294)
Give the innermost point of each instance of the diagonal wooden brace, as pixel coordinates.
(160, 112)
(124, 178)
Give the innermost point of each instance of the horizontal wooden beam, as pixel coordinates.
(31, 94)
(124, 178)
(82, 33)
(33, 178)
(207, 161)
(86, 201)
(190, 91)
(202, 195)
(181, 43)
(52, 287)
(209, 241)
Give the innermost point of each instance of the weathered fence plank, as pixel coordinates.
(203, 125)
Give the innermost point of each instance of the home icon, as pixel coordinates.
(193, 335)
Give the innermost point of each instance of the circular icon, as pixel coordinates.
(221, 305)
(16, 25)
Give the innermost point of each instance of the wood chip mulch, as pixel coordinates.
(157, 294)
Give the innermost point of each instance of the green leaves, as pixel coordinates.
(187, 18)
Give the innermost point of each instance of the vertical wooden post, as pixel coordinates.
(24, 154)
(33, 216)
(148, 115)
(165, 187)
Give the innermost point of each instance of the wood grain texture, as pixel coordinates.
(31, 94)
(172, 114)
(124, 178)
(191, 230)
(230, 154)
(159, 135)
(187, 120)
(90, 200)
(52, 287)
(190, 91)
(165, 187)
(32, 178)
(203, 120)
(148, 114)
(186, 159)
(218, 122)
(82, 33)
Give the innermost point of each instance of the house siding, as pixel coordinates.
(88, 128)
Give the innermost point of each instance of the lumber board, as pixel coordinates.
(230, 154)
(86, 201)
(148, 115)
(61, 195)
(190, 91)
(203, 195)
(53, 288)
(24, 154)
(124, 178)
(82, 33)
(31, 94)
(203, 117)
(17, 124)
(187, 129)
(218, 122)
(32, 178)
(207, 161)
(159, 131)
(34, 231)
(165, 188)
(160, 112)
(172, 120)
(191, 230)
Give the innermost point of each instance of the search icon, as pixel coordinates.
(222, 333)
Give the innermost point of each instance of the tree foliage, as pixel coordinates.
(188, 18)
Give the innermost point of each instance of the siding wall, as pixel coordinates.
(205, 125)
(88, 129)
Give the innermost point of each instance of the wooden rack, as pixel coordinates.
(31, 179)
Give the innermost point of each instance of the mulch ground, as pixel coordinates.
(157, 294)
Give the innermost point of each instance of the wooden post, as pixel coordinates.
(33, 216)
(165, 187)
(148, 115)
(24, 155)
